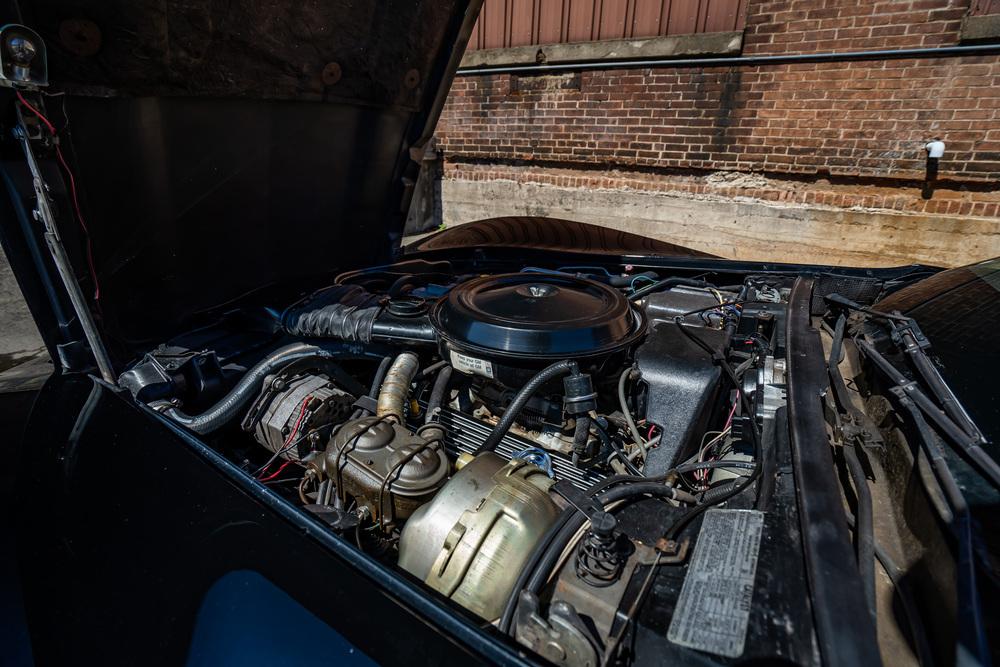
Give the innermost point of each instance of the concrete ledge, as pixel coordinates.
(704, 44)
(980, 28)
(739, 229)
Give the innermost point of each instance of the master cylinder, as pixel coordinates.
(471, 542)
(386, 467)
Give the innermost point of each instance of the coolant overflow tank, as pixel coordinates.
(471, 542)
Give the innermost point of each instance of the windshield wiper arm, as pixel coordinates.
(969, 445)
(909, 337)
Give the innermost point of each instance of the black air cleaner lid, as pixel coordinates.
(536, 315)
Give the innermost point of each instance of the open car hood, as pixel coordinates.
(220, 148)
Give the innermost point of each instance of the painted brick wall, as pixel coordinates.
(866, 119)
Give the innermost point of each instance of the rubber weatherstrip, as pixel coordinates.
(845, 634)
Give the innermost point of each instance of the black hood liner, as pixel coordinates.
(223, 146)
(384, 51)
(202, 201)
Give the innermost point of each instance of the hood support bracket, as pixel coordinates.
(43, 213)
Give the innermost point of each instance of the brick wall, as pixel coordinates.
(856, 119)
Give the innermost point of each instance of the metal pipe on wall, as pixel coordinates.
(723, 61)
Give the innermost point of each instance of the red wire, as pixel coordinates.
(73, 195)
(298, 422)
(729, 420)
(288, 441)
(83, 225)
(52, 128)
(276, 472)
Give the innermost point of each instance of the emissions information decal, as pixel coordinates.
(468, 364)
(714, 605)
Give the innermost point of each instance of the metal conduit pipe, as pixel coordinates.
(828, 56)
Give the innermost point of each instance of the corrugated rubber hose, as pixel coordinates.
(343, 312)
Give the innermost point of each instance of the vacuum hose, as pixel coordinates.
(437, 393)
(246, 389)
(521, 398)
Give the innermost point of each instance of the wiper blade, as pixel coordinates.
(968, 444)
(909, 337)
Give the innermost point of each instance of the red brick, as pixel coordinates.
(863, 118)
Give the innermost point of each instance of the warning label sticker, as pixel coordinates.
(714, 605)
(468, 364)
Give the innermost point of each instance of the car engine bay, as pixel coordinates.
(489, 433)
(608, 463)
(684, 459)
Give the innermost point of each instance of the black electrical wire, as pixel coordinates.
(350, 447)
(608, 440)
(277, 454)
(936, 383)
(864, 535)
(903, 327)
(380, 372)
(736, 61)
(924, 655)
(967, 446)
(667, 283)
(735, 302)
(577, 519)
(396, 471)
(971, 626)
(851, 305)
(712, 465)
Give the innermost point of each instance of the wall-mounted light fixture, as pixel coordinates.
(935, 151)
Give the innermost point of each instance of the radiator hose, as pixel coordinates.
(247, 388)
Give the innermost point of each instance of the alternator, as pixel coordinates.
(290, 410)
